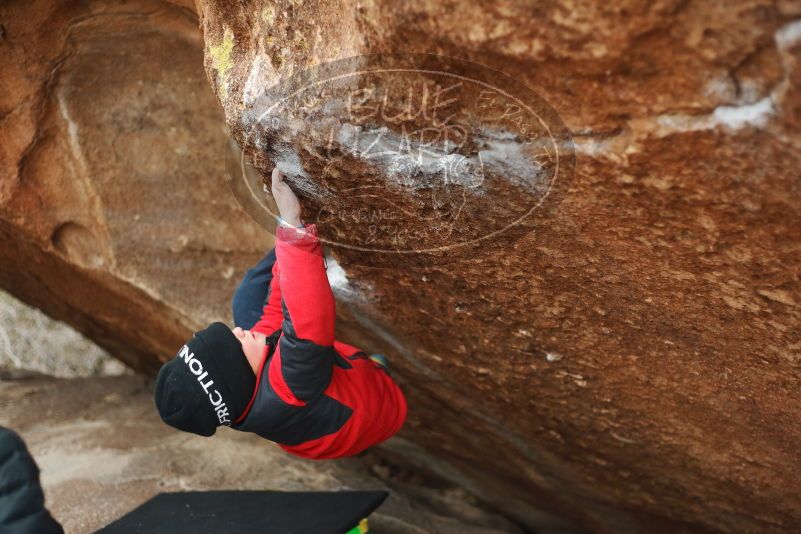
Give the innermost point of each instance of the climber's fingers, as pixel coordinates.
(285, 199)
(278, 177)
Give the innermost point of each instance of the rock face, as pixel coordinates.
(32, 342)
(598, 330)
(631, 360)
(114, 212)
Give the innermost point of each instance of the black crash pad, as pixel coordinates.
(246, 512)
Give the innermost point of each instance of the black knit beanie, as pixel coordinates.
(208, 384)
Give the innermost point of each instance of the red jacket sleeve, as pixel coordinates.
(272, 316)
(305, 352)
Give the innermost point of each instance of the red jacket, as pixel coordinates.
(315, 396)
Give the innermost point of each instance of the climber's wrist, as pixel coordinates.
(290, 222)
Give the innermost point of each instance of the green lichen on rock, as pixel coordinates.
(268, 15)
(221, 60)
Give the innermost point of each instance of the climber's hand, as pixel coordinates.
(286, 200)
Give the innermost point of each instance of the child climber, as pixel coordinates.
(280, 373)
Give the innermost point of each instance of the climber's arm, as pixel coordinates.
(271, 315)
(306, 347)
(305, 354)
(289, 208)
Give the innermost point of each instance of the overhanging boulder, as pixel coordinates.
(628, 361)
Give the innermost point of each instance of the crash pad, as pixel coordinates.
(246, 512)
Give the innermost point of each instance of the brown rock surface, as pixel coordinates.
(114, 211)
(630, 362)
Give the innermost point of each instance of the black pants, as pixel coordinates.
(22, 509)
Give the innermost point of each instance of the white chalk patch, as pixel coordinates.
(788, 35)
(729, 117)
(288, 162)
(254, 84)
(339, 282)
(409, 162)
(749, 90)
(73, 138)
(756, 113)
(736, 117)
(596, 147)
(336, 275)
(720, 88)
(553, 356)
(509, 158)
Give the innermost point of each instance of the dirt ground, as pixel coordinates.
(102, 451)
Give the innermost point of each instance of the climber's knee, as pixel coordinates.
(381, 360)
